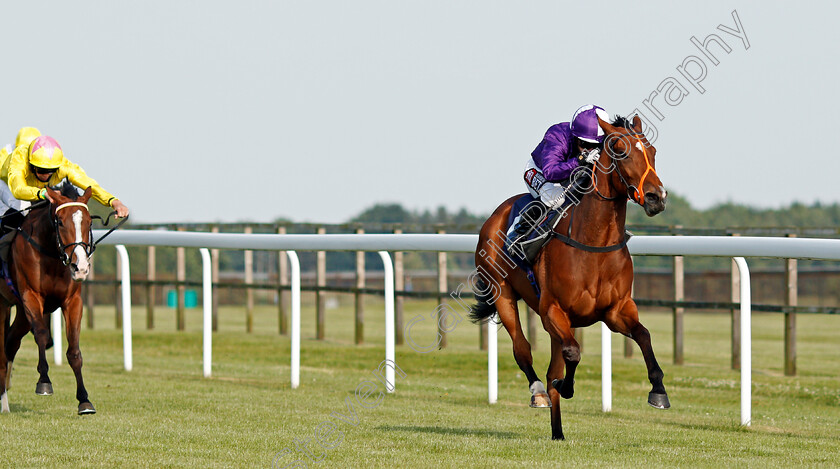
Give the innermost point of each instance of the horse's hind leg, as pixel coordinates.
(73, 319)
(626, 322)
(509, 315)
(19, 328)
(4, 369)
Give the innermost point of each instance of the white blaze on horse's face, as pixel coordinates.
(81, 266)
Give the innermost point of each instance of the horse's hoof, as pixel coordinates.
(660, 401)
(540, 400)
(44, 389)
(568, 394)
(558, 436)
(565, 394)
(86, 408)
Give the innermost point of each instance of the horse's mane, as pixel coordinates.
(619, 121)
(66, 189)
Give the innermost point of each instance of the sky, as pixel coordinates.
(222, 111)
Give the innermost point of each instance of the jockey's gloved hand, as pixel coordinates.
(591, 156)
(552, 194)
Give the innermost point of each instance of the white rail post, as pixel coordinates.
(390, 371)
(294, 263)
(746, 343)
(126, 306)
(56, 333)
(207, 297)
(606, 368)
(492, 360)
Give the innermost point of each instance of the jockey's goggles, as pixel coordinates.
(38, 170)
(587, 145)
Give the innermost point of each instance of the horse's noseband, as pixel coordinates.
(638, 190)
(62, 248)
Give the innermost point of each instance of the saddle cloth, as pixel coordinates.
(518, 207)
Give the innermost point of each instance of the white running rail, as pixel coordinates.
(719, 246)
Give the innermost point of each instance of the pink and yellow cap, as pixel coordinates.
(46, 153)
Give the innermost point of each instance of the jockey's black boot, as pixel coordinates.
(11, 220)
(521, 246)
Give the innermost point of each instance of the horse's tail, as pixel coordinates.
(485, 307)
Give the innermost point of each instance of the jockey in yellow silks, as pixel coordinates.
(33, 167)
(24, 138)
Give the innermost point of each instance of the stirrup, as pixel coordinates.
(528, 249)
(532, 247)
(514, 249)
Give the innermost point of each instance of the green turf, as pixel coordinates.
(165, 414)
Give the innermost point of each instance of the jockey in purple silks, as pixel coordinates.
(564, 148)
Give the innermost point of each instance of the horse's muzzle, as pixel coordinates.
(655, 201)
(78, 274)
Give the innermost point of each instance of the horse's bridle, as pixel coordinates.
(56, 223)
(62, 248)
(638, 195)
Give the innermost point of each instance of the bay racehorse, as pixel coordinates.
(49, 258)
(584, 273)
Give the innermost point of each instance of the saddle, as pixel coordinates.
(525, 250)
(532, 242)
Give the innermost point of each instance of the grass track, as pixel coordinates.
(164, 414)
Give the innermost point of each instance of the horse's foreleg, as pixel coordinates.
(44, 385)
(657, 397)
(509, 314)
(565, 355)
(626, 322)
(73, 320)
(33, 306)
(563, 345)
(555, 373)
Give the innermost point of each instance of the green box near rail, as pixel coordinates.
(190, 299)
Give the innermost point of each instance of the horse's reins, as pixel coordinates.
(40, 203)
(89, 248)
(105, 223)
(567, 239)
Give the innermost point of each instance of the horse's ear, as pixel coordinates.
(637, 124)
(86, 195)
(608, 129)
(52, 194)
